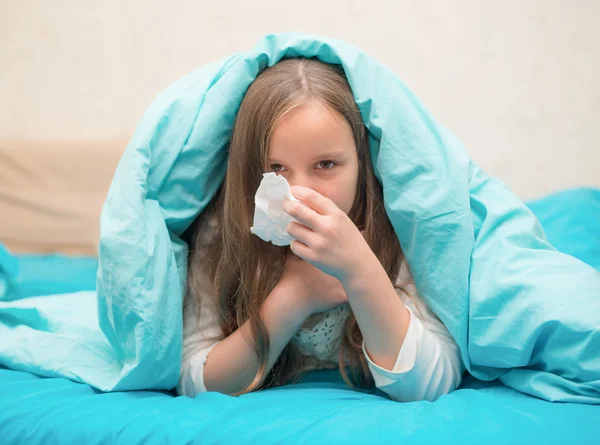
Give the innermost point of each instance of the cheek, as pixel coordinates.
(342, 193)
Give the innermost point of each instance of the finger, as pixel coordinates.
(319, 203)
(300, 249)
(301, 233)
(305, 215)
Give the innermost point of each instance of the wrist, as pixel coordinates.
(288, 303)
(358, 276)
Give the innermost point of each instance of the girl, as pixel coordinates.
(258, 315)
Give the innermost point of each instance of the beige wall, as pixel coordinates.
(517, 81)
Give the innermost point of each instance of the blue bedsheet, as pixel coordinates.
(321, 409)
(35, 275)
(37, 410)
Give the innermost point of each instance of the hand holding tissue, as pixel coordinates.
(270, 221)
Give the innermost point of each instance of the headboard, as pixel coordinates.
(51, 194)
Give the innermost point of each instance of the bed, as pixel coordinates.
(320, 409)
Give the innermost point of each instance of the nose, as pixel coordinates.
(301, 180)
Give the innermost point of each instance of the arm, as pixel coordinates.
(382, 316)
(427, 363)
(230, 364)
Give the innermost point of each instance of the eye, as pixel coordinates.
(277, 167)
(325, 162)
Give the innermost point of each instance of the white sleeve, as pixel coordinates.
(201, 332)
(429, 363)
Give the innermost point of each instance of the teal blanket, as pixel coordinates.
(519, 309)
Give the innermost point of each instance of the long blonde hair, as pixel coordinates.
(244, 269)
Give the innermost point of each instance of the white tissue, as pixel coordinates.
(270, 221)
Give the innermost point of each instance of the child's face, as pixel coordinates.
(313, 147)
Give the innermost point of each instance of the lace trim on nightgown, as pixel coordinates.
(320, 336)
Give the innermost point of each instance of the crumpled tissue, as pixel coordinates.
(270, 221)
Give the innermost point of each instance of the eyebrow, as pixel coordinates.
(330, 154)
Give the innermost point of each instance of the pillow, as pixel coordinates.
(9, 269)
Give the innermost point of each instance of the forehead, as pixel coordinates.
(311, 130)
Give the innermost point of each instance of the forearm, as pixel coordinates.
(381, 315)
(232, 363)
